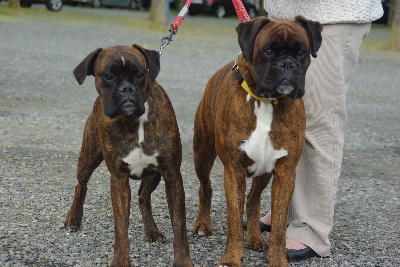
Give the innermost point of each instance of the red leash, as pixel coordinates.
(185, 9)
(173, 28)
(240, 10)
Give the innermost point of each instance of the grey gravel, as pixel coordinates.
(43, 110)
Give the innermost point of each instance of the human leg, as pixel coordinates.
(311, 215)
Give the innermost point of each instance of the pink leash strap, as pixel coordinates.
(240, 10)
(185, 9)
(173, 28)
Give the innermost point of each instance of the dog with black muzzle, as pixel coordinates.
(132, 128)
(252, 116)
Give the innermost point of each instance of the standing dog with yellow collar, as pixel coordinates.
(252, 116)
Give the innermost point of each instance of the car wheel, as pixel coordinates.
(24, 4)
(54, 5)
(252, 13)
(220, 12)
(194, 12)
(133, 5)
(96, 3)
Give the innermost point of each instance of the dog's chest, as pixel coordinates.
(259, 146)
(136, 159)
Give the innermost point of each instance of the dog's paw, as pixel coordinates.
(228, 265)
(202, 229)
(73, 221)
(185, 262)
(155, 236)
(120, 262)
(257, 244)
(277, 259)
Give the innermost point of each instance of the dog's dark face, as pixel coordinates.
(279, 53)
(123, 75)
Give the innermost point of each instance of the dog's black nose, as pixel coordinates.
(126, 88)
(286, 64)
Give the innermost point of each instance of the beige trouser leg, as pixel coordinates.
(327, 82)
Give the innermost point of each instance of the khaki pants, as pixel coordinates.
(327, 82)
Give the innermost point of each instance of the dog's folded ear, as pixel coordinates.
(153, 60)
(247, 32)
(86, 67)
(314, 29)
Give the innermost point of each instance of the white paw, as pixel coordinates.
(201, 233)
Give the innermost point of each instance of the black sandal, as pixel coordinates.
(263, 227)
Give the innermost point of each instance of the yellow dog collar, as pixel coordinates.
(246, 87)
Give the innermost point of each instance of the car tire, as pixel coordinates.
(133, 5)
(25, 5)
(194, 12)
(220, 12)
(54, 5)
(252, 13)
(96, 3)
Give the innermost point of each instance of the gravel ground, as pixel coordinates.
(43, 110)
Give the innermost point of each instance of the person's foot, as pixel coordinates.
(296, 251)
(266, 219)
(263, 227)
(294, 245)
(265, 223)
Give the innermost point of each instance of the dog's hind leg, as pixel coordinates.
(151, 231)
(89, 159)
(204, 156)
(282, 191)
(255, 240)
(177, 210)
(121, 199)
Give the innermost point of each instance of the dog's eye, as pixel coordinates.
(269, 52)
(108, 77)
(301, 53)
(139, 75)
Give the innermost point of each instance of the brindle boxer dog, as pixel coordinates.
(256, 134)
(134, 130)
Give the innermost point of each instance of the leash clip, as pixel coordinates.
(166, 40)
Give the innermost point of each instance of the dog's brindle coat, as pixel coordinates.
(134, 130)
(252, 138)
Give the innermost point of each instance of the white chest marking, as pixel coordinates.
(136, 158)
(259, 147)
(123, 60)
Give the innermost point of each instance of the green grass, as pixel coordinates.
(195, 31)
(65, 17)
(378, 39)
(10, 14)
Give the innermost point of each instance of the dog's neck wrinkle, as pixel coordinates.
(246, 72)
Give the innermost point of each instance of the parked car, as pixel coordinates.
(130, 4)
(93, 3)
(385, 18)
(146, 4)
(53, 5)
(221, 8)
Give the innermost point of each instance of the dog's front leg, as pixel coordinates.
(255, 240)
(89, 159)
(235, 190)
(147, 186)
(121, 198)
(177, 210)
(282, 191)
